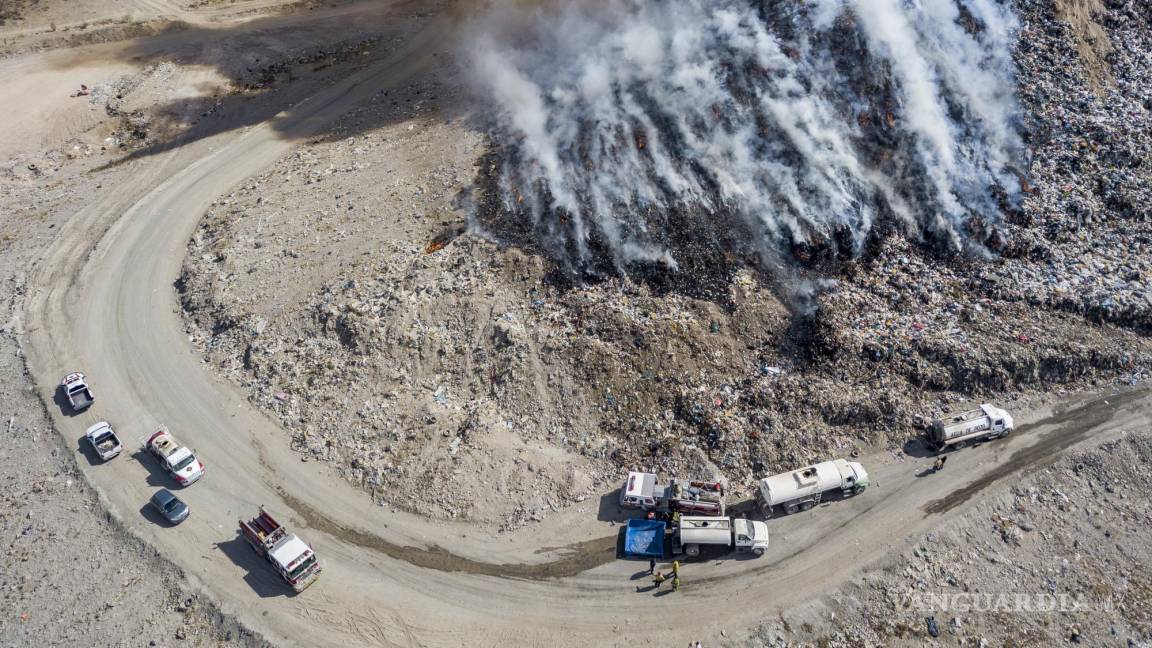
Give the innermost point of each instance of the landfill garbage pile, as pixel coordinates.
(1059, 559)
(628, 129)
(464, 377)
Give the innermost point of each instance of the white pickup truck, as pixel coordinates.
(103, 440)
(958, 430)
(175, 458)
(745, 536)
(802, 489)
(76, 389)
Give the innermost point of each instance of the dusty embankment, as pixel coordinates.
(337, 290)
(71, 573)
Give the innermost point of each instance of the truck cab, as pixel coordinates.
(751, 536)
(639, 491)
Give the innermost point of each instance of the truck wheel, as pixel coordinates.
(858, 490)
(961, 445)
(692, 550)
(791, 508)
(758, 551)
(807, 505)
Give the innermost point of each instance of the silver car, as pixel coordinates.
(170, 506)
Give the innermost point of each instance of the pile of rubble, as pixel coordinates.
(339, 290)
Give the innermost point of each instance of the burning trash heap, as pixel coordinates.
(637, 132)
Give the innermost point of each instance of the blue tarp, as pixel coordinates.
(644, 538)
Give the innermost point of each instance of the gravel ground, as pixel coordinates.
(69, 573)
(1061, 558)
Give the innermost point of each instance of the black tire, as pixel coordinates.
(758, 551)
(807, 505)
(692, 550)
(791, 508)
(858, 490)
(960, 446)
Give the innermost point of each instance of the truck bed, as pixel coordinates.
(80, 398)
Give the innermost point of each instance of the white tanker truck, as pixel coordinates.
(959, 430)
(744, 536)
(802, 489)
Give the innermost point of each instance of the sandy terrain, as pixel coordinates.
(273, 267)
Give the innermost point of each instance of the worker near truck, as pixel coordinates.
(658, 580)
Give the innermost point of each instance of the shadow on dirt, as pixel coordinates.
(154, 516)
(60, 398)
(86, 449)
(610, 509)
(918, 448)
(267, 77)
(258, 574)
(157, 476)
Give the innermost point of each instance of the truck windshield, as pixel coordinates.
(302, 567)
(184, 464)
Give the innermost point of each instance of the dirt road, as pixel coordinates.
(101, 300)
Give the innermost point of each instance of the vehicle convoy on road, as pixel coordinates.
(802, 489)
(959, 430)
(745, 536)
(170, 506)
(293, 559)
(640, 491)
(178, 460)
(79, 394)
(103, 440)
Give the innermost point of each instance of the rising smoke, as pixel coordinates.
(627, 127)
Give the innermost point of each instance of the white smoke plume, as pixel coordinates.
(800, 120)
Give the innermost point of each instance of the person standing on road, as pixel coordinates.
(676, 568)
(658, 580)
(651, 565)
(675, 583)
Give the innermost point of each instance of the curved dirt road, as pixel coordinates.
(102, 301)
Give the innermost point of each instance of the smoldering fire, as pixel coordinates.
(793, 121)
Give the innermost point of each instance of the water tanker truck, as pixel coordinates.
(800, 490)
(745, 536)
(959, 430)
